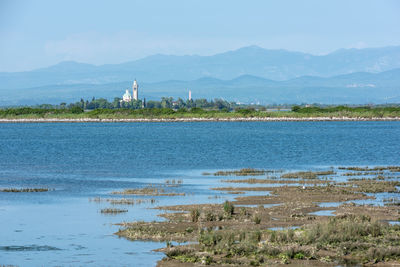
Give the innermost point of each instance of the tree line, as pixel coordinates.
(165, 102)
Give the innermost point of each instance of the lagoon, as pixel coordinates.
(88, 160)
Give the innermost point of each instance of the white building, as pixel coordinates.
(127, 97)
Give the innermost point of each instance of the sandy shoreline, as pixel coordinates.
(266, 119)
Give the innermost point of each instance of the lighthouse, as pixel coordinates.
(135, 89)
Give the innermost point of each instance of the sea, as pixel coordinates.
(80, 162)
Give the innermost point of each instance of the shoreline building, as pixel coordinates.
(127, 97)
(135, 90)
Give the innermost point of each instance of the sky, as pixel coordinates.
(40, 33)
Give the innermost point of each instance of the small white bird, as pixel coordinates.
(304, 187)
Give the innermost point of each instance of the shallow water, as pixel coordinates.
(87, 160)
(323, 213)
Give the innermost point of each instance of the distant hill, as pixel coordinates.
(276, 65)
(358, 88)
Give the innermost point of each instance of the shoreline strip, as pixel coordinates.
(260, 119)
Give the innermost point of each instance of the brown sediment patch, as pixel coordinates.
(173, 182)
(24, 190)
(243, 172)
(296, 194)
(159, 231)
(375, 185)
(296, 204)
(123, 201)
(127, 201)
(392, 201)
(381, 213)
(241, 189)
(181, 226)
(379, 177)
(368, 169)
(275, 181)
(147, 191)
(307, 174)
(171, 262)
(363, 173)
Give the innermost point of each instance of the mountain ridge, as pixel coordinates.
(273, 64)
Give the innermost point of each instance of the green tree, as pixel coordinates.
(153, 104)
(116, 103)
(166, 102)
(180, 103)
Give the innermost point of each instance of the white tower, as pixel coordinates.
(135, 89)
(190, 95)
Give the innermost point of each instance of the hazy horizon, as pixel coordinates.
(213, 54)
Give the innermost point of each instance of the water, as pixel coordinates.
(85, 160)
(283, 228)
(323, 213)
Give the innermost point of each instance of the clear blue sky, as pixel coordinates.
(38, 33)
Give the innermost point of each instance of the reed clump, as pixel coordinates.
(257, 219)
(113, 211)
(24, 190)
(194, 215)
(130, 201)
(229, 208)
(273, 181)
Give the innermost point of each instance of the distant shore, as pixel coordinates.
(244, 119)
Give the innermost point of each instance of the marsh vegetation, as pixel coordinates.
(100, 109)
(339, 240)
(236, 232)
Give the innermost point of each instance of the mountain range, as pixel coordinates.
(249, 74)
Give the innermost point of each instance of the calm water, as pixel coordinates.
(85, 160)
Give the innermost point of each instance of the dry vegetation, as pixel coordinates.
(147, 191)
(233, 234)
